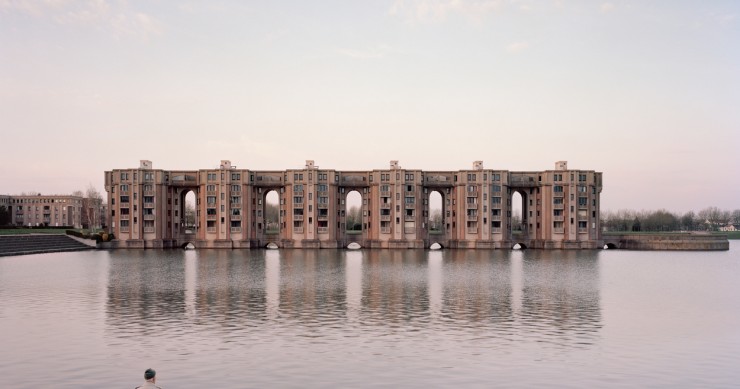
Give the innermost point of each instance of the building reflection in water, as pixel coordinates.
(561, 292)
(502, 293)
(144, 292)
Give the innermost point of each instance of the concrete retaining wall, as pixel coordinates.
(668, 241)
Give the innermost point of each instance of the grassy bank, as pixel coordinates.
(730, 235)
(25, 231)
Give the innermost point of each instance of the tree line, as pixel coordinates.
(707, 219)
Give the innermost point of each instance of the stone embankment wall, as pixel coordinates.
(676, 241)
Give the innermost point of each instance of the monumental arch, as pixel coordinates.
(559, 208)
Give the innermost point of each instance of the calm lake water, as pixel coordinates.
(400, 318)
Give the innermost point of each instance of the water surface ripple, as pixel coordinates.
(401, 318)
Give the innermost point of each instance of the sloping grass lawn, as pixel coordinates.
(26, 231)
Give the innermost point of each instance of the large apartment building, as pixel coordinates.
(559, 208)
(44, 210)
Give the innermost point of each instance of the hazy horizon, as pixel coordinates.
(646, 93)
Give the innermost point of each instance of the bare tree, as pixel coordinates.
(354, 219)
(91, 204)
(712, 216)
(189, 214)
(435, 220)
(735, 217)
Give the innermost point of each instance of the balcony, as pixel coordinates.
(297, 230)
(385, 230)
(496, 230)
(558, 206)
(472, 205)
(322, 217)
(582, 230)
(148, 217)
(211, 217)
(385, 193)
(409, 230)
(148, 229)
(123, 205)
(322, 205)
(582, 206)
(409, 217)
(211, 193)
(236, 217)
(471, 193)
(558, 218)
(124, 229)
(125, 217)
(236, 229)
(496, 217)
(472, 230)
(148, 205)
(297, 217)
(473, 218)
(323, 230)
(148, 193)
(385, 205)
(385, 218)
(211, 230)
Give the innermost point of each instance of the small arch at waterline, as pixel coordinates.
(272, 246)
(188, 246)
(435, 246)
(519, 246)
(354, 246)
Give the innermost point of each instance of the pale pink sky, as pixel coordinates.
(645, 92)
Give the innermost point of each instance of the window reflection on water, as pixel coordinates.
(548, 296)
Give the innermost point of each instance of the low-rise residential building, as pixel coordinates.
(44, 210)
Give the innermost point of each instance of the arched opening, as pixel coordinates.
(435, 246)
(354, 246)
(610, 246)
(271, 213)
(353, 221)
(272, 246)
(188, 246)
(518, 221)
(188, 214)
(519, 246)
(436, 213)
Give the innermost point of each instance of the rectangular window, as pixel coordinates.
(557, 200)
(582, 201)
(495, 200)
(557, 189)
(298, 200)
